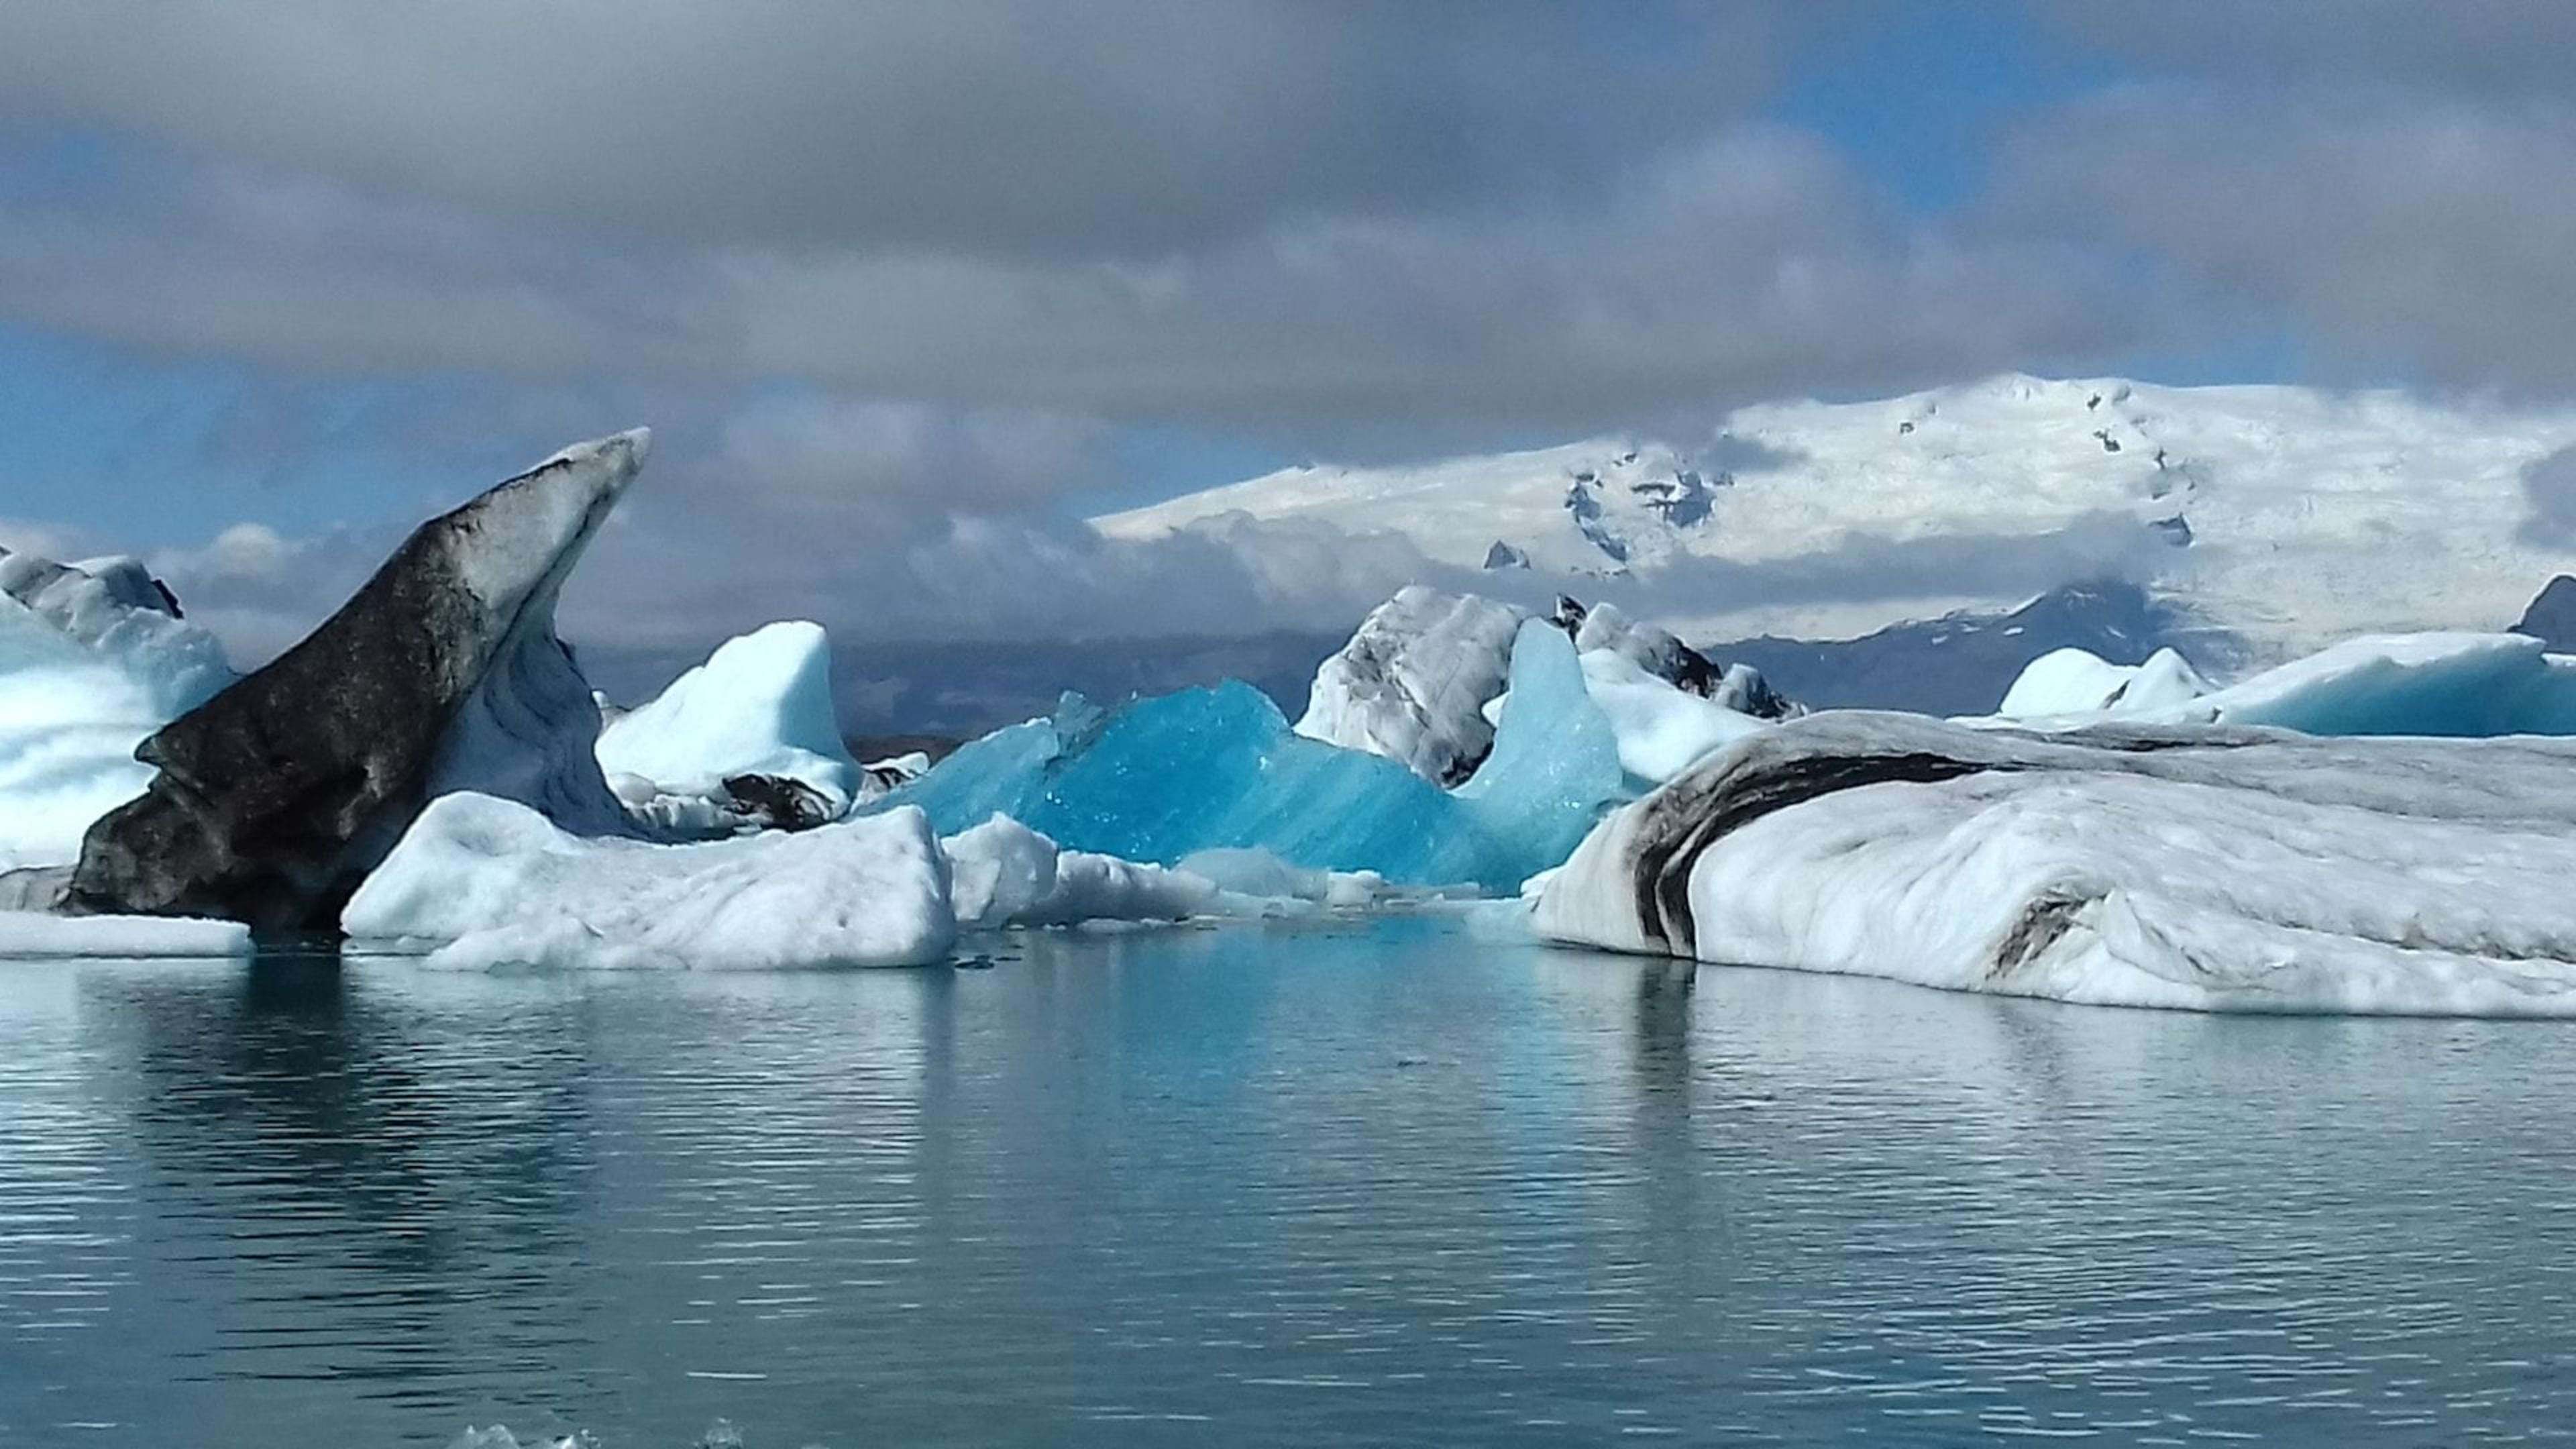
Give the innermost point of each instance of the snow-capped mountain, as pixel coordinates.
(2288, 516)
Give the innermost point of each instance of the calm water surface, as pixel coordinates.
(1383, 1183)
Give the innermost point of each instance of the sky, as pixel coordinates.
(908, 290)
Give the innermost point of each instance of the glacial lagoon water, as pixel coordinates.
(1369, 1183)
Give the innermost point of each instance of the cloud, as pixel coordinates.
(1748, 265)
(17, 535)
(2549, 488)
(987, 127)
(2477, 46)
(2389, 235)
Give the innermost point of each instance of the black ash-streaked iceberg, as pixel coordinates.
(1412, 682)
(2199, 867)
(275, 797)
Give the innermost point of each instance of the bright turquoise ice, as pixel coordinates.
(1555, 763)
(1212, 768)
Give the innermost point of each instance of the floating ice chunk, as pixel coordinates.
(1003, 773)
(93, 659)
(760, 705)
(1661, 730)
(1555, 764)
(1410, 682)
(1258, 875)
(2078, 682)
(1218, 768)
(33, 934)
(1005, 874)
(442, 673)
(1207, 769)
(2204, 868)
(480, 881)
(885, 774)
(2463, 685)
(2437, 684)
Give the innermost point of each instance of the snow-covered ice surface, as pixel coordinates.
(760, 705)
(93, 659)
(2079, 682)
(1660, 731)
(480, 882)
(2209, 868)
(2457, 685)
(1410, 683)
(35, 935)
(2287, 497)
(1005, 874)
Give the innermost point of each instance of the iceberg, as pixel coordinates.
(1556, 760)
(1661, 730)
(2210, 868)
(1411, 683)
(1606, 627)
(442, 674)
(760, 707)
(1219, 769)
(480, 881)
(2078, 682)
(94, 657)
(1271, 884)
(41, 935)
(2436, 684)
(1004, 874)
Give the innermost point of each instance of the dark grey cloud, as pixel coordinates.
(2390, 234)
(1123, 127)
(1748, 265)
(2476, 46)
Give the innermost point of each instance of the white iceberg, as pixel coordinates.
(2438, 684)
(2214, 869)
(94, 658)
(2078, 682)
(480, 881)
(39, 935)
(1661, 730)
(1270, 884)
(760, 705)
(1002, 873)
(1411, 683)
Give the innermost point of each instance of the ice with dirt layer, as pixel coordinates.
(2201, 867)
(1411, 682)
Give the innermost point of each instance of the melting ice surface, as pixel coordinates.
(1219, 768)
(1379, 1182)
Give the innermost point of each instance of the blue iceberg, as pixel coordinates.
(1219, 768)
